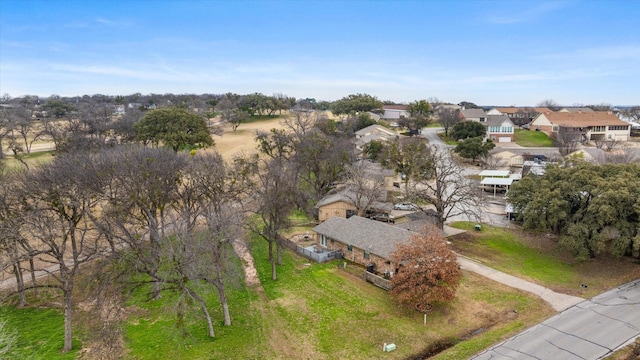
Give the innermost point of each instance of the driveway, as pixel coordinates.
(589, 330)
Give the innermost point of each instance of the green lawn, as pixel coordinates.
(39, 333)
(447, 139)
(529, 138)
(313, 311)
(538, 258)
(33, 159)
(318, 311)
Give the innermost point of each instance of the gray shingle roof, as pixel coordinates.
(376, 237)
(496, 120)
(473, 113)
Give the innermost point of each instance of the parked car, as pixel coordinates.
(381, 217)
(406, 206)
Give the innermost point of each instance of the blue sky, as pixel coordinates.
(486, 52)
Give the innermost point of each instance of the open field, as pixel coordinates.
(243, 139)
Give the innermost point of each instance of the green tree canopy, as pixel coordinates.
(356, 103)
(468, 129)
(57, 108)
(174, 127)
(594, 208)
(473, 148)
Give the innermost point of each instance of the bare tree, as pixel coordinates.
(11, 255)
(363, 186)
(300, 122)
(448, 118)
(404, 156)
(439, 181)
(58, 197)
(96, 119)
(550, 104)
(276, 193)
(320, 160)
(633, 114)
(24, 128)
(138, 184)
(231, 112)
(211, 191)
(566, 142)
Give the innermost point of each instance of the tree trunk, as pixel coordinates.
(205, 311)
(279, 252)
(222, 294)
(272, 260)
(20, 284)
(68, 345)
(33, 276)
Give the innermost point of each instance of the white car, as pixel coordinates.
(406, 206)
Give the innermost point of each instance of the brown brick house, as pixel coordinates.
(363, 241)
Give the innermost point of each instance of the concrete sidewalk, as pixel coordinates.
(558, 301)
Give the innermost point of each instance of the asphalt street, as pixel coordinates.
(590, 330)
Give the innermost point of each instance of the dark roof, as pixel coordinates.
(375, 236)
(344, 194)
(495, 120)
(473, 113)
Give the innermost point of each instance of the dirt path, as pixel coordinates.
(250, 272)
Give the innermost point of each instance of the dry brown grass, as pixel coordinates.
(243, 139)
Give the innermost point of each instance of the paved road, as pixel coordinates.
(589, 330)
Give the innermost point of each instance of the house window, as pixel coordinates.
(349, 247)
(366, 254)
(599, 129)
(618, 127)
(556, 128)
(323, 241)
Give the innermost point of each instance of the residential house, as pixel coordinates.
(504, 158)
(118, 110)
(371, 133)
(340, 203)
(582, 126)
(576, 109)
(366, 242)
(395, 112)
(477, 115)
(447, 106)
(499, 128)
(520, 116)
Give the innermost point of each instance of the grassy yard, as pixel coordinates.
(447, 139)
(313, 311)
(33, 159)
(539, 259)
(39, 333)
(529, 138)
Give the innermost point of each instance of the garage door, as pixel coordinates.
(504, 139)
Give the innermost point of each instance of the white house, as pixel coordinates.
(499, 128)
(394, 112)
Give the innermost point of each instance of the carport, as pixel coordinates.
(495, 183)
